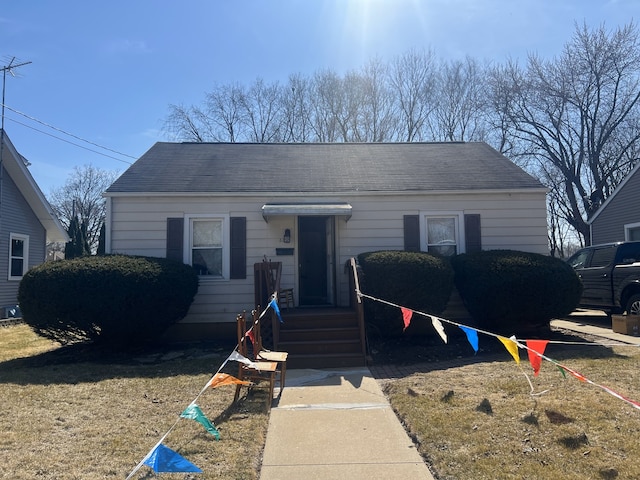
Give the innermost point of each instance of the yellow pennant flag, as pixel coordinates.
(512, 347)
(220, 379)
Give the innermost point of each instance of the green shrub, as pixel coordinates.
(113, 299)
(509, 292)
(416, 280)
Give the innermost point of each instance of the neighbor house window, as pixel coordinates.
(18, 255)
(207, 244)
(632, 232)
(442, 235)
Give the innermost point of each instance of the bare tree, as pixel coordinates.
(376, 121)
(326, 102)
(187, 124)
(262, 112)
(80, 199)
(296, 115)
(225, 109)
(459, 111)
(579, 114)
(412, 79)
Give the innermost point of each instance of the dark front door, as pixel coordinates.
(312, 260)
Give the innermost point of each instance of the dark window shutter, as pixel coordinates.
(473, 237)
(175, 231)
(412, 233)
(238, 247)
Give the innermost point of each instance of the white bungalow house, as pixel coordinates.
(618, 218)
(223, 207)
(27, 223)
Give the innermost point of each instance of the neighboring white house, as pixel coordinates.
(222, 207)
(618, 219)
(27, 223)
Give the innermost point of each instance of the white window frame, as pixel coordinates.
(459, 226)
(627, 229)
(226, 240)
(25, 257)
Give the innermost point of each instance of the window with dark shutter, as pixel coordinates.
(412, 233)
(472, 233)
(175, 231)
(238, 247)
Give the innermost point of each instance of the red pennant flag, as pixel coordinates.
(406, 317)
(535, 351)
(252, 336)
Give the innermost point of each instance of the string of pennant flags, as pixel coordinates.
(163, 459)
(535, 348)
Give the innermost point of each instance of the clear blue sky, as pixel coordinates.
(107, 71)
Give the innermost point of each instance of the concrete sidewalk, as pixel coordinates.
(337, 424)
(596, 323)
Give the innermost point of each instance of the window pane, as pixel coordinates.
(17, 248)
(17, 265)
(443, 250)
(207, 233)
(441, 230)
(207, 261)
(634, 234)
(602, 257)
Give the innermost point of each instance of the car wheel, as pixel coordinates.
(633, 305)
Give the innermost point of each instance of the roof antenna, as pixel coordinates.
(6, 68)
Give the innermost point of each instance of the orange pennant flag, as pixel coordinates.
(220, 379)
(511, 346)
(579, 376)
(535, 351)
(406, 317)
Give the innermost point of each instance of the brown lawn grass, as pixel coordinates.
(76, 414)
(480, 421)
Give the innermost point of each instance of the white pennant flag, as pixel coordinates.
(239, 358)
(437, 324)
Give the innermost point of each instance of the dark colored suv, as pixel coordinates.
(610, 275)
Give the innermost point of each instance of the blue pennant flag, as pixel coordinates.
(472, 336)
(163, 459)
(274, 305)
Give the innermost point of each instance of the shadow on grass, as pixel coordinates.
(431, 353)
(86, 362)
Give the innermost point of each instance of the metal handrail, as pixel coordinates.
(356, 301)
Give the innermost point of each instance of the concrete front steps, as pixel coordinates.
(321, 338)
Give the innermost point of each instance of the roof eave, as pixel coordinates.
(19, 173)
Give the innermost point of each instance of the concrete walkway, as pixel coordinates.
(593, 322)
(337, 424)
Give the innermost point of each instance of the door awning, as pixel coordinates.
(306, 209)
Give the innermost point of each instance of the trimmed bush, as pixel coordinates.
(113, 299)
(416, 280)
(509, 291)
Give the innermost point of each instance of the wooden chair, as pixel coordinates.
(285, 298)
(271, 273)
(262, 354)
(258, 371)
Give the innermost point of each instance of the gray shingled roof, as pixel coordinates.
(320, 167)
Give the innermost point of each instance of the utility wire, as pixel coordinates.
(66, 133)
(70, 142)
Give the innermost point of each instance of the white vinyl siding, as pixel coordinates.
(514, 220)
